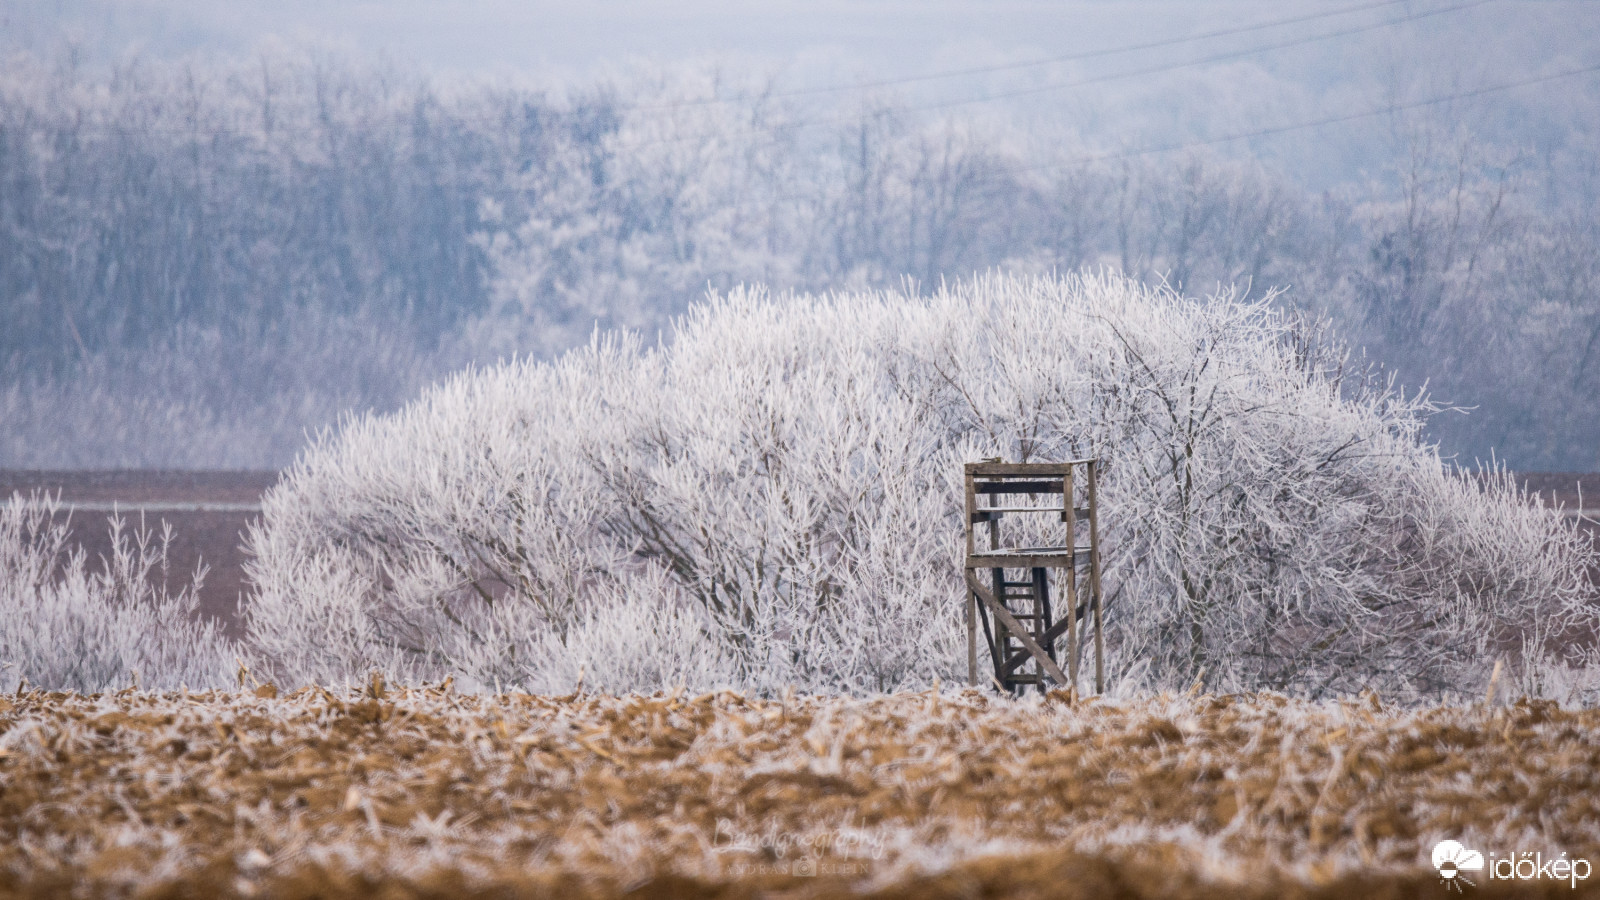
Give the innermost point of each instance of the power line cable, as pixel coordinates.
(1300, 126)
(1097, 79)
(1219, 57)
(1013, 171)
(1051, 60)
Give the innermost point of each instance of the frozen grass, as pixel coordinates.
(431, 793)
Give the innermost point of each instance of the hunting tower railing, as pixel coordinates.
(1018, 620)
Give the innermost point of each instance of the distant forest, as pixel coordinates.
(201, 265)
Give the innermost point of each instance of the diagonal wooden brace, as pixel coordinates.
(1021, 634)
(1053, 633)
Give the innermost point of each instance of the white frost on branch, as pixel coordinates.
(68, 625)
(773, 498)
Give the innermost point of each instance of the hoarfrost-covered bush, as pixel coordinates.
(774, 498)
(65, 625)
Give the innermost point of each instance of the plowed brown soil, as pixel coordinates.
(427, 793)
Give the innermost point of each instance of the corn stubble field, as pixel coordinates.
(426, 792)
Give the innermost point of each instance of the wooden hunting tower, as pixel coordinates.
(1018, 619)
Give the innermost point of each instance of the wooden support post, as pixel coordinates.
(1094, 578)
(1041, 612)
(998, 576)
(972, 600)
(972, 640)
(1070, 515)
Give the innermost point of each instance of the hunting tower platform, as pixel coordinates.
(1009, 588)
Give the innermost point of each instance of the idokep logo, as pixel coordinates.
(1453, 860)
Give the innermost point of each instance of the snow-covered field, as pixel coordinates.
(427, 792)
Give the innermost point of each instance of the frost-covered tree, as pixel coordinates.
(68, 624)
(624, 212)
(773, 498)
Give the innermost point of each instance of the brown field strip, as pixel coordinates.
(429, 793)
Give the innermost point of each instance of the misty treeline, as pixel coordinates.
(201, 262)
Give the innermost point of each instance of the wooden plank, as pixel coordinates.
(1015, 469)
(1013, 559)
(1018, 487)
(1020, 509)
(1004, 617)
(1059, 550)
(995, 513)
(990, 513)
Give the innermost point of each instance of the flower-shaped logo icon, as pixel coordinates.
(1452, 859)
